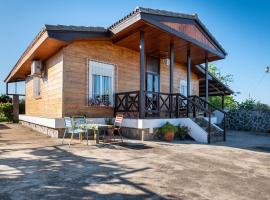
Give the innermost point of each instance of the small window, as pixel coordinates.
(101, 84)
(36, 87)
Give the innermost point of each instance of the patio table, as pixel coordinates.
(96, 128)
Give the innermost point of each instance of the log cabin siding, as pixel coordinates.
(49, 103)
(76, 58)
(126, 61)
(180, 73)
(64, 90)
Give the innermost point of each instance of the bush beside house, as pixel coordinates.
(6, 112)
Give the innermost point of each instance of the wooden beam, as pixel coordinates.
(222, 102)
(142, 77)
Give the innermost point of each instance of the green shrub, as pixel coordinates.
(167, 127)
(6, 111)
(182, 131)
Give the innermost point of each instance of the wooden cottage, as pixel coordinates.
(152, 66)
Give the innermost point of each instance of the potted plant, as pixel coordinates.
(168, 130)
(183, 131)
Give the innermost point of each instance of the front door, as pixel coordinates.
(152, 85)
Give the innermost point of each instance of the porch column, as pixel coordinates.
(206, 81)
(142, 77)
(171, 76)
(171, 66)
(15, 103)
(188, 72)
(188, 78)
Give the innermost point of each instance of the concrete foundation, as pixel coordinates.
(55, 133)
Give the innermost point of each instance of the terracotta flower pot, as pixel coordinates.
(169, 136)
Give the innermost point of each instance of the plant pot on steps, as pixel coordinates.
(169, 136)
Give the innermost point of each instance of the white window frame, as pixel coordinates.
(91, 70)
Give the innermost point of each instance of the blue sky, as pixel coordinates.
(242, 27)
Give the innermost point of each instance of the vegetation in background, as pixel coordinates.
(229, 101)
(252, 104)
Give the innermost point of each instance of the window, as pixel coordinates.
(183, 87)
(36, 87)
(101, 84)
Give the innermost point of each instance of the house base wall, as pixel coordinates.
(141, 129)
(51, 132)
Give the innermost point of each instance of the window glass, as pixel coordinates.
(101, 77)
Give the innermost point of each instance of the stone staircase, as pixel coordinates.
(216, 135)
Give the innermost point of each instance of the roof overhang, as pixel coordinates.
(215, 86)
(48, 41)
(162, 28)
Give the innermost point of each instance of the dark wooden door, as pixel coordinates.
(152, 85)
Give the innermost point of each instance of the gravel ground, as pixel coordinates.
(33, 166)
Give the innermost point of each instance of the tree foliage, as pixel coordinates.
(252, 104)
(229, 101)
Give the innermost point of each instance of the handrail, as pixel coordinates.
(129, 92)
(193, 102)
(203, 100)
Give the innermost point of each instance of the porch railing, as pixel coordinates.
(166, 105)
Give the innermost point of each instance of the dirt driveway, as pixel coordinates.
(33, 166)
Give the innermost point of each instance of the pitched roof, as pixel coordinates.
(67, 34)
(75, 28)
(169, 14)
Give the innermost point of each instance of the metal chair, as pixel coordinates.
(72, 126)
(117, 126)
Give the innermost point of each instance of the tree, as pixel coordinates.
(252, 104)
(229, 101)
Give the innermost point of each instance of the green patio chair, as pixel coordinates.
(72, 126)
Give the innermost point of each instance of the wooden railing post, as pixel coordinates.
(115, 104)
(15, 102)
(126, 102)
(209, 129)
(177, 106)
(224, 127)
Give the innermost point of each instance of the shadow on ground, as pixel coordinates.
(56, 173)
